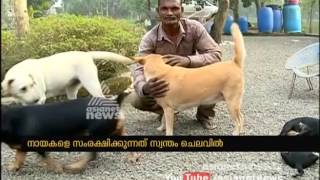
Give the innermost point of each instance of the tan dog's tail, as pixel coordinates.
(239, 48)
(110, 56)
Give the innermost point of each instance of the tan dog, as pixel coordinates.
(190, 87)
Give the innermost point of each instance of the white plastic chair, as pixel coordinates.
(301, 60)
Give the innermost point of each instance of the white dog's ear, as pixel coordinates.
(5, 86)
(32, 79)
(139, 59)
(10, 82)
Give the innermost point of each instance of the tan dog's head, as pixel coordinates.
(150, 59)
(152, 63)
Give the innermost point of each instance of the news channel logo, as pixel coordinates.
(100, 108)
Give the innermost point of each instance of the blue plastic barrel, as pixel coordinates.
(277, 18)
(291, 1)
(265, 19)
(292, 18)
(227, 25)
(243, 23)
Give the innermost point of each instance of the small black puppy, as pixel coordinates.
(70, 118)
(303, 126)
(299, 160)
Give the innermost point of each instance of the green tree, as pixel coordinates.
(21, 17)
(83, 7)
(309, 9)
(219, 20)
(114, 8)
(6, 15)
(234, 5)
(37, 8)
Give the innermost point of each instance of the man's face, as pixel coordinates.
(170, 11)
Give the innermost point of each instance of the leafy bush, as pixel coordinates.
(60, 33)
(53, 34)
(8, 50)
(116, 85)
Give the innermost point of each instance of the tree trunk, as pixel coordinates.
(311, 15)
(149, 5)
(112, 10)
(235, 10)
(257, 2)
(149, 9)
(219, 20)
(21, 17)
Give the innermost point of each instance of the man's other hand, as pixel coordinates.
(175, 60)
(155, 88)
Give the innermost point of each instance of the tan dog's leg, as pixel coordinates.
(241, 128)
(241, 124)
(169, 120)
(53, 164)
(144, 103)
(133, 156)
(163, 124)
(19, 160)
(234, 105)
(81, 164)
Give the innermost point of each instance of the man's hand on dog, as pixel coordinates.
(156, 88)
(175, 60)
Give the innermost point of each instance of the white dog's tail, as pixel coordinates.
(110, 56)
(239, 48)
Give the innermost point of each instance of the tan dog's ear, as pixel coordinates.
(140, 59)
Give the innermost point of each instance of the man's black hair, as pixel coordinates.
(162, 0)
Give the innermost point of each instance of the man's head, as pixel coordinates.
(170, 11)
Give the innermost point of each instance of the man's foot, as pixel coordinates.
(159, 117)
(206, 122)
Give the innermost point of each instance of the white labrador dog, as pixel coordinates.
(32, 81)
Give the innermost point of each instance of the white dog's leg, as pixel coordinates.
(72, 91)
(41, 89)
(9, 100)
(88, 77)
(42, 100)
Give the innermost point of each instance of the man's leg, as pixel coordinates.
(145, 103)
(205, 115)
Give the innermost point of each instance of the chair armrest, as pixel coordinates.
(300, 73)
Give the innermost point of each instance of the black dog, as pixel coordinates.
(304, 126)
(299, 160)
(70, 118)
